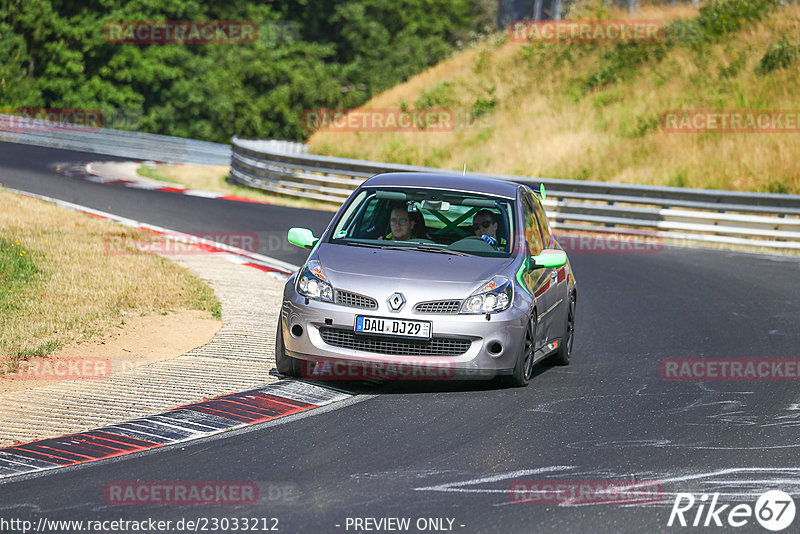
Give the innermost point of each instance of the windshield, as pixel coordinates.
(428, 220)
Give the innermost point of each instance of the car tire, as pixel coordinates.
(286, 365)
(523, 370)
(561, 357)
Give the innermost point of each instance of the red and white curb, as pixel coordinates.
(86, 171)
(186, 423)
(271, 266)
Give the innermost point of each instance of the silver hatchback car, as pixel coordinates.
(429, 276)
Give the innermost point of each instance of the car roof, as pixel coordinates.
(450, 182)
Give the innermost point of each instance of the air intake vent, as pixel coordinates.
(383, 345)
(438, 306)
(354, 300)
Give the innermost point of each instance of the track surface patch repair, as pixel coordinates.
(186, 423)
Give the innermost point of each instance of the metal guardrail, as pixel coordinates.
(675, 214)
(123, 143)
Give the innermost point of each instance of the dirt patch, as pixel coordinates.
(139, 341)
(79, 278)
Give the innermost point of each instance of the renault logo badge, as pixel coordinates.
(396, 301)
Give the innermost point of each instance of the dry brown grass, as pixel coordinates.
(544, 125)
(214, 178)
(80, 290)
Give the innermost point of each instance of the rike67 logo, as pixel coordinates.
(774, 510)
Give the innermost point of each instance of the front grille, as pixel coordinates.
(438, 306)
(354, 300)
(436, 346)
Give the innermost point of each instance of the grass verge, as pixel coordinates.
(595, 110)
(60, 283)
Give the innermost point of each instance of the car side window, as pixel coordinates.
(533, 234)
(540, 214)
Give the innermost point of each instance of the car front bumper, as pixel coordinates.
(494, 344)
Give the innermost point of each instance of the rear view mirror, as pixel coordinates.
(479, 203)
(392, 195)
(550, 258)
(302, 237)
(437, 205)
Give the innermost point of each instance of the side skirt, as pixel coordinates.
(545, 351)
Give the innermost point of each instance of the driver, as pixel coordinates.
(484, 224)
(401, 224)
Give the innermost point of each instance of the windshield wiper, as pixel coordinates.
(420, 248)
(440, 250)
(384, 247)
(365, 245)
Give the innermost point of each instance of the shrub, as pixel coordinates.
(779, 56)
(483, 106)
(441, 96)
(721, 17)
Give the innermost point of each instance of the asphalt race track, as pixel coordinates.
(31, 168)
(453, 450)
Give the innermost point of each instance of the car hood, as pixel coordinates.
(443, 275)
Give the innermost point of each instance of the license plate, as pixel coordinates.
(393, 327)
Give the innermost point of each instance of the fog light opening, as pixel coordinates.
(495, 348)
(297, 330)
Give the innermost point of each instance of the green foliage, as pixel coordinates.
(722, 17)
(732, 69)
(639, 127)
(483, 106)
(39, 351)
(717, 19)
(17, 269)
(685, 31)
(482, 136)
(623, 61)
(606, 98)
(779, 56)
(778, 187)
(309, 54)
(441, 96)
(436, 157)
(678, 179)
(592, 10)
(482, 60)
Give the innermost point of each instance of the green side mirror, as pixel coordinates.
(542, 192)
(302, 237)
(550, 258)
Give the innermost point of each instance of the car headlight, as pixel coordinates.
(493, 296)
(312, 282)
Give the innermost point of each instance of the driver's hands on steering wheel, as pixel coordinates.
(489, 239)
